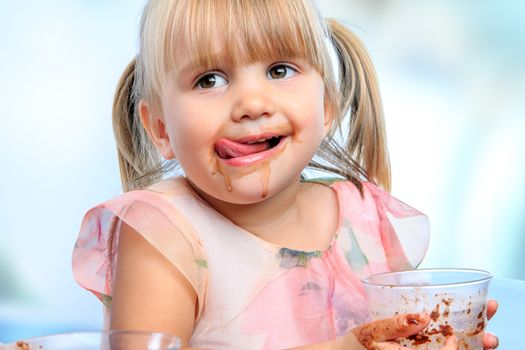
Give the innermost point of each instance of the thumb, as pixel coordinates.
(391, 328)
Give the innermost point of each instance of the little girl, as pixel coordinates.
(244, 251)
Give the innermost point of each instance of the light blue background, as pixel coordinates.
(453, 83)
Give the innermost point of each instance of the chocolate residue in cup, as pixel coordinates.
(419, 338)
(446, 330)
(432, 331)
(447, 302)
(469, 308)
(443, 329)
(434, 315)
(480, 315)
(479, 328)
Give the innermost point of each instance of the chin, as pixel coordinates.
(248, 189)
(246, 185)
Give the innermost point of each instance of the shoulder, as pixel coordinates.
(159, 195)
(347, 190)
(155, 213)
(403, 230)
(369, 194)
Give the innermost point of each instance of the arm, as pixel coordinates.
(149, 293)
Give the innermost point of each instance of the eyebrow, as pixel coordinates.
(190, 71)
(189, 68)
(194, 66)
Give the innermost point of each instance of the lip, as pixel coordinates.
(253, 138)
(257, 157)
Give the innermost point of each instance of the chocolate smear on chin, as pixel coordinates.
(218, 167)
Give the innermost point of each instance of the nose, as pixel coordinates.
(252, 102)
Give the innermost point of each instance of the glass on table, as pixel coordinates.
(455, 299)
(104, 340)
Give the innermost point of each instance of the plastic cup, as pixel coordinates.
(105, 340)
(454, 298)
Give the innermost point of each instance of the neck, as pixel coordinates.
(263, 218)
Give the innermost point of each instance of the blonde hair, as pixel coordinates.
(253, 30)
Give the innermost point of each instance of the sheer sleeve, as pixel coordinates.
(157, 220)
(405, 231)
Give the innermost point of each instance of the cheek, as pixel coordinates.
(189, 134)
(184, 125)
(316, 101)
(313, 114)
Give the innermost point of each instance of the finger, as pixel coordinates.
(490, 341)
(391, 328)
(451, 343)
(492, 307)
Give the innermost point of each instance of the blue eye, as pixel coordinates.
(209, 81)
(280, 71)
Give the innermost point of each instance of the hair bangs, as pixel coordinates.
(269, 29)
(211, 32)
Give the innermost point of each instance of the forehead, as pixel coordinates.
(205, 33)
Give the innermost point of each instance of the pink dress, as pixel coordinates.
(253, 294)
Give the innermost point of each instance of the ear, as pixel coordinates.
(156, 129)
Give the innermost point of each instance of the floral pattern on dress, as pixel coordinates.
(290, 258)
(355, 256)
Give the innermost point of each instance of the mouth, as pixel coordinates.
(248, 149)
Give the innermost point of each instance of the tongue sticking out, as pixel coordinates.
(231, 149)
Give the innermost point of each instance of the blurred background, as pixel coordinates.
(453, 83)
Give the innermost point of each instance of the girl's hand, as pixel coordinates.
(490, 341)
(379, 335)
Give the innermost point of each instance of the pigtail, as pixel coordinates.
(359, 95)
(140, 164)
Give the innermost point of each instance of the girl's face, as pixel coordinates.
(243, 132)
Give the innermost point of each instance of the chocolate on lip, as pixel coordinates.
(227, 148)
